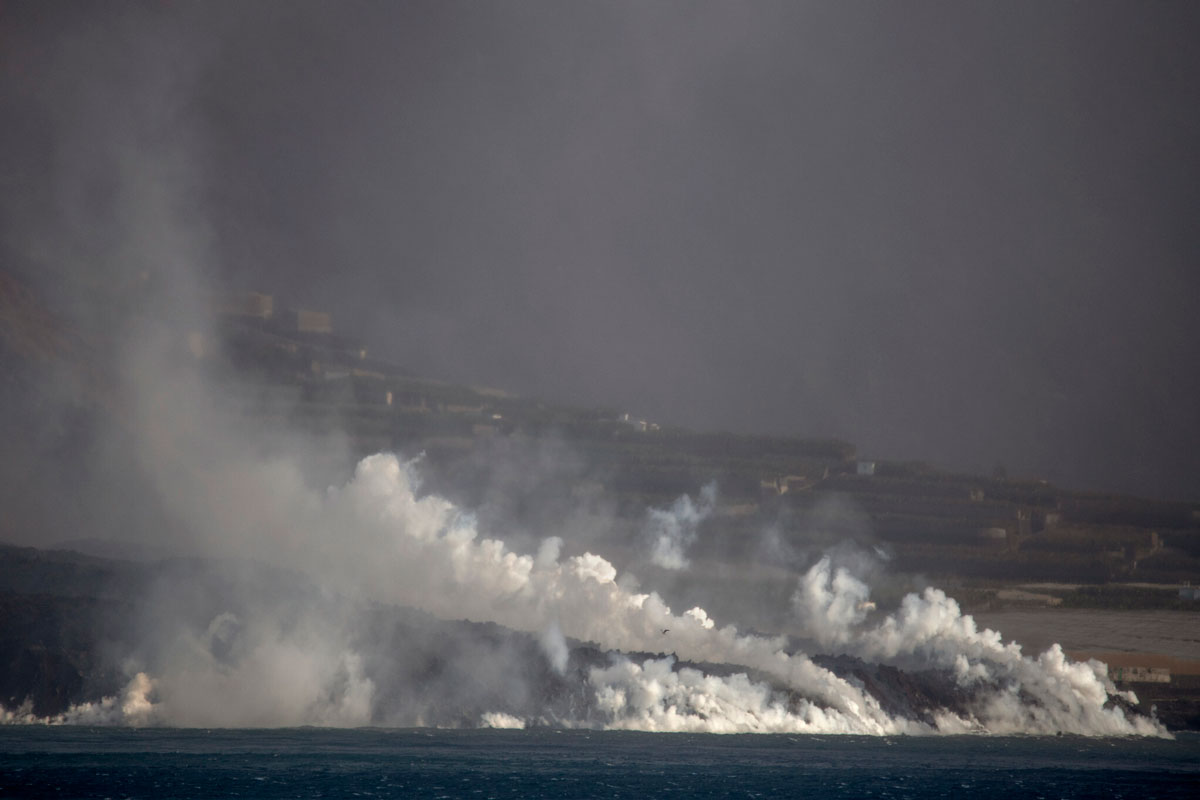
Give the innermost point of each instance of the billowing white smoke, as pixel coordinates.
(448, 571)
(273, 677)
(498, 719)
(134, 706)
(259, 675)
(1016, 693)
(554, 645)
(653, 696)
(830, 603)
(378, 536)
(671, 531)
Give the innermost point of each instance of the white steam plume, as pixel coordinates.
(829, 604)
(554, 645)
(653, 696)
(498, 719)
(377, 536)
(452, 574)
(133, 707)
(1017, 693)
(277, 676)
(671, 531)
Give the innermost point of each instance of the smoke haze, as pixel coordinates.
(956, 234)
(864, 223)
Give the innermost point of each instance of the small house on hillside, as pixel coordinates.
(245, 304)
(305, 321)
(1141, 674)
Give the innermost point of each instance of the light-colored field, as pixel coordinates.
(1174, 634)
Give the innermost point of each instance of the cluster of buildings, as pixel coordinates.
(638, 424)
(301, 358)
(249, 320)
(1140, 674)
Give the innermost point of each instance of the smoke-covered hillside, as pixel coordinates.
(318, 536)
(237, 643)
(272, 595)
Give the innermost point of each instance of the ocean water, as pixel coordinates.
(42, 761)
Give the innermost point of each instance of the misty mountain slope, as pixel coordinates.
(81, 443)
(971, 244)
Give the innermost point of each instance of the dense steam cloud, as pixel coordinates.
(377, 536)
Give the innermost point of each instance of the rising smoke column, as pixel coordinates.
(671, 531)
(1014, 692)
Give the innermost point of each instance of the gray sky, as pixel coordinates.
(958, 232)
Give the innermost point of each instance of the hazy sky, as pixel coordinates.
(958, 232)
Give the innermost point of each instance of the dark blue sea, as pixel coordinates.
(316, 762)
